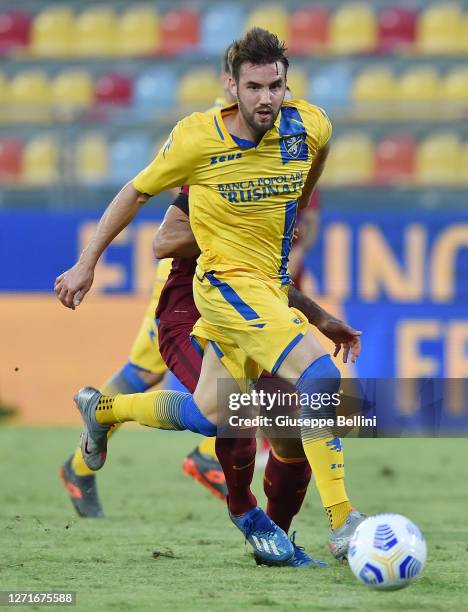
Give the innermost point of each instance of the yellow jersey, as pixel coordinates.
(243, 197)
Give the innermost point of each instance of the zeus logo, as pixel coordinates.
(293, 145)
(224, 158)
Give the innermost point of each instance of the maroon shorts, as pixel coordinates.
(182, 357)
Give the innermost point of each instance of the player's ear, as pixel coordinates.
(232, 87)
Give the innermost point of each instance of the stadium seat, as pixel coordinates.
(221, 24)
(397, 29)
(351, 161)
(113, 89)
(155, 89)
(96, 33)
(330, 87)
(40, 161)
(11, 151)
(297, 82)
(464, 163)
(438, 160)
(199, 87)
(439, 29)
(138, 31)
(455, 85)
(180, 31)
(420, 83)
(72, 89)
(53, 32)
(308, 30)
(272, 17)
(29, 95)
(15, 30)
(353, 29)
(395, 160)
(91, 162)
(374, 85)
(129, 155)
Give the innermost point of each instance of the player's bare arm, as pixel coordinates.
(174, 237)
(342, 335)
(72, 285)
(315, 172)
(305, 235)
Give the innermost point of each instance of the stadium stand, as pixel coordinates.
(308, 30)
(392, 76)
(15, 31)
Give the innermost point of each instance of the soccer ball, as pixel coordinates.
(387, 552)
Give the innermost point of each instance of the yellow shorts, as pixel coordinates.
(248, 320)
(145, 349)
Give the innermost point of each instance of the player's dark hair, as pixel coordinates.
(225, 66)
(258, 47)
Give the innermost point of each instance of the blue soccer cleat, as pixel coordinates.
(270, 543)
(299, 559)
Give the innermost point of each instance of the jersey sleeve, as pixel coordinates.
(172, 166)
(182, 201)
(325, 129)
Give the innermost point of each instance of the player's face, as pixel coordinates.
(260, 93)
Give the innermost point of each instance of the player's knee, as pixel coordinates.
(287, 448)
(321, 373)
(194, 420)
(137, 380)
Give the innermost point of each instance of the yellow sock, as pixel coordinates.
(338, 513)
(326, 459)
(159, 409)
(78, 465)
(208, 447)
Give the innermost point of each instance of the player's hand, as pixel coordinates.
(74, 284)
(344, 337)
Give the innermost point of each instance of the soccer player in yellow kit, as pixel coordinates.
(249, 167)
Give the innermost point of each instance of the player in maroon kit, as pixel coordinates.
(287, 472)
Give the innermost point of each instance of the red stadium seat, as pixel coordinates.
(397, 28)
(395, 159)
(113, 89)
(11, 152)
(308, 30)
(15, 30)
(180, 31)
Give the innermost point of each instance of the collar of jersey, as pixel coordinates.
(226, 136)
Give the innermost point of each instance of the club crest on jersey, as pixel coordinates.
(293, 145)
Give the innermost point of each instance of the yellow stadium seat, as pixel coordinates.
(72, 89)
(464, 164)
(351, 161)
(438, 160)
(439, 29)
(374, 85)
(91, 159)
(297, 83)
(271, 17)
(464, 35)
(138, 31)
(455, 85)
(353, 29)
(418, 84)
(29, 95)
(40, 161)
(96, 33)
(53, 32)
(199, 87)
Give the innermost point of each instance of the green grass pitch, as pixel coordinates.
(151, 506)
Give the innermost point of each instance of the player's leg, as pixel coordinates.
(184, 358)
(78, 478)
(144, 369)
(315, 374)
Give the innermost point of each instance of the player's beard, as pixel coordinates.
(258, 127)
